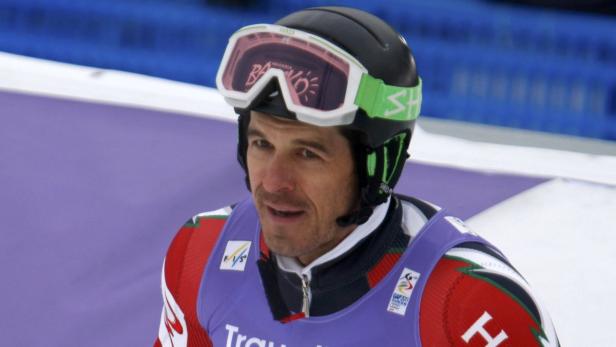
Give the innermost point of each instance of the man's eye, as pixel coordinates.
(308, 154)
(260, 143)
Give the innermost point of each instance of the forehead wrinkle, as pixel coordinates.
(320, 138)
(254, 132)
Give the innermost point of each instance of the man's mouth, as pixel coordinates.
(281, 213)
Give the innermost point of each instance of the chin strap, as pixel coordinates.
(366, 207)
(358, 217)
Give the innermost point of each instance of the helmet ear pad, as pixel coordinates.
(378, 170)
(242, 143)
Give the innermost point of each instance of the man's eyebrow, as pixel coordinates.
(254, 132)
(312, 144)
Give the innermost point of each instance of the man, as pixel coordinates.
(323, 253)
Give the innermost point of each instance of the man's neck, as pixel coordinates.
(341, 234)
(355, 236)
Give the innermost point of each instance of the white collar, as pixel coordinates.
(290, 264)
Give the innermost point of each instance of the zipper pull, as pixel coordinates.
(306, 295)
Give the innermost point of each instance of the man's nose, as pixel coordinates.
(278, 175)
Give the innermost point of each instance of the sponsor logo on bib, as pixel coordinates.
(235, 339)
(401, 296)
(235, 256)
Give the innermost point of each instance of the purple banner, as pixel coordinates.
(91, 195)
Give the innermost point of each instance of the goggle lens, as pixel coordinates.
(315, 78)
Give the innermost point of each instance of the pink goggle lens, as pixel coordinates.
(316, 78)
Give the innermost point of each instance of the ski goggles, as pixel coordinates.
(320, 83)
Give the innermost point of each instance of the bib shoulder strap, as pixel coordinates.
(232, 260)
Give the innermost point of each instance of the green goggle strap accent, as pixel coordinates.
(381, 100)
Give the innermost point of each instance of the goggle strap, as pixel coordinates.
(381, 100)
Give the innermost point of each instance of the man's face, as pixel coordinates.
(302, 179)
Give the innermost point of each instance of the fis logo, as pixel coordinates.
(402, 293)
(235, 256)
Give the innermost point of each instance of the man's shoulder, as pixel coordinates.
(426, 208)
(183, 269)
(200, 226)
(199, 220)
(474, 296)
(193, 244)
(415, 213)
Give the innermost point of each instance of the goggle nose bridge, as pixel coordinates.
(283, 86)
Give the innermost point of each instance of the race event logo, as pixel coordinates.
(403, 291)
(303, 83)
(235, 256)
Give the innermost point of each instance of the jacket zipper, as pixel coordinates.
(306, 295)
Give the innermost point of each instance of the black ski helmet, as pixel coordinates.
(379, 145)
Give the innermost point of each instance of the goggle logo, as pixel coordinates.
(303, 83)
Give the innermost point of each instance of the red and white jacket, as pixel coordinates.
(473, 297)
